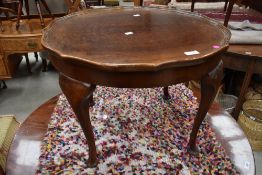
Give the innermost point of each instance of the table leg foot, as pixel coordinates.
(166, 93)
(91, 103)
(209, 87)
(79, 95)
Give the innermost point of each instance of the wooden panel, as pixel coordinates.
(3, 71)
(26, 45)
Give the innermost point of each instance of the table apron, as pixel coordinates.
(137, 79)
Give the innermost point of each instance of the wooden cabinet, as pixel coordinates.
(14, 42)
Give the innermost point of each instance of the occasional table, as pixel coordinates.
(134, 48)
(245, 58)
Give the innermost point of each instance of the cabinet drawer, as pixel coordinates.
(3, 71)
(32, 44)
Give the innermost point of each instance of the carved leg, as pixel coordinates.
(28, 64)
(78, 95)
(166, 93)
(19, 13)
(40, 13)
(36, 56)
(209, 87)
(193, 5)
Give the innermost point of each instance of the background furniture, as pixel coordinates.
(242, 57)
(27, 39)
(10, 13)
(19, 13)
(247, 58)
(123, 51)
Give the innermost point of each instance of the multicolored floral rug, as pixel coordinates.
(137, 132)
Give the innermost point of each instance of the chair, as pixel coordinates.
(8, 127)
(7, 12)
(19, 13)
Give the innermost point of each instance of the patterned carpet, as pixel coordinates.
(137, 132)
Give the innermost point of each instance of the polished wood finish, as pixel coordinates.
(27, 39)
(209, 87)
(152, 47)
(149, 55)
(22, 160)
(80, 104)
(25, 149)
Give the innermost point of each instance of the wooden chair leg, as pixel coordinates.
(229, 11)
(27, 8)
(193, 5)
(40, 13)
(19, 13)
(28, 63)
(36, 56)
(46, 7)
(226, 3)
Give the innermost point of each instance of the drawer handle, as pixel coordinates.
(32, 45)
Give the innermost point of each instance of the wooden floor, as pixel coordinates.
(25, 150)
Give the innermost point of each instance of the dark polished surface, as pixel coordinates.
(25, 150)
(159, 39)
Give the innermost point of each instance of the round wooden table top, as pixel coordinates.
(135, 39)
